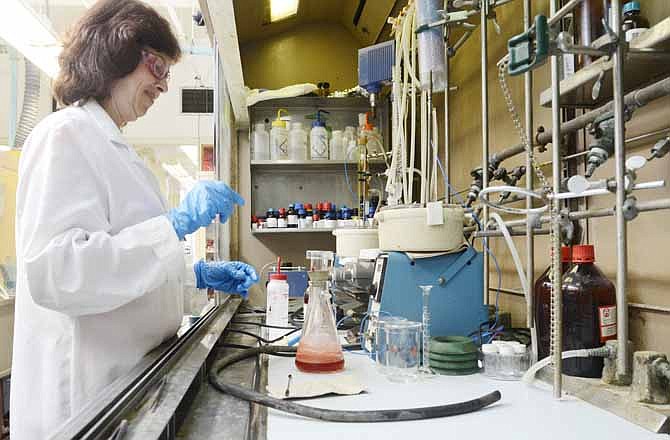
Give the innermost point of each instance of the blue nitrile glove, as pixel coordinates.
(202, 203)
(229, 277)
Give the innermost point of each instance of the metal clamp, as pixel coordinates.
(530, 49)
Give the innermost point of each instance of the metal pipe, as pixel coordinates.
(623, 364)
(585, 28)
(530, 240)
(649, 308)
(512, 232)
(635, 99)
(557, 324)
(485, 129)
(565, 10)
(653, 205)
(651, 137)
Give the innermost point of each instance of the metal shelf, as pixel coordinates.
(313, 102)
(290, 231)
(639, 70)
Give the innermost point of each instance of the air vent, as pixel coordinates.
(198, 100)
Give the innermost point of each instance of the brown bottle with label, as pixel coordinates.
(589, 312)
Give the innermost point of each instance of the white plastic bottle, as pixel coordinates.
(279, 138)
(260, 143)
(277, 304)
(318, 138)
(297, 142)
(337, 146)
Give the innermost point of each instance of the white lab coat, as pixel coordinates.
(100, 267)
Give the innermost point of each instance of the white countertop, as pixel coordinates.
(522, 413)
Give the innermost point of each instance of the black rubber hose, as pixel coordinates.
(387, 415)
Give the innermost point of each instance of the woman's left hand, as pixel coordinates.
(230, 276)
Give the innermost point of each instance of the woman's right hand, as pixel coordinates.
(201, 204)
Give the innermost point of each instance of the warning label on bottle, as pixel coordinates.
(607, 321)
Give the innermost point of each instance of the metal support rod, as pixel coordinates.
(530, 240)
(447, 133)
(623, 363)
(555, 241)
(485, 130)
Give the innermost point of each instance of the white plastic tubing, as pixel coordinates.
(404, 84)
(406, 88)
(522, 276)
(529, 376)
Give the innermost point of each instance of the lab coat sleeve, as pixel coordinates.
(72, 262)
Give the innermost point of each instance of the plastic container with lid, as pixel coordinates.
(350, 241)
(337, 146)
(279, 138)
(318, 138)
(543, 303)
(260, 142)
(395, 225)
(277, 302)
(634, 23)
(505, 360)
(297, 142)
(589, 312)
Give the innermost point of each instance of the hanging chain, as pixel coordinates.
(546, 188)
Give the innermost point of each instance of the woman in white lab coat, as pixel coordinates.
(100, 265)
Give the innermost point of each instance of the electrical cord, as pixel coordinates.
(329, 415)
(260, 338)
(260, 324)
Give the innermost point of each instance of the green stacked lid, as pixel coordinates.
(453, 355)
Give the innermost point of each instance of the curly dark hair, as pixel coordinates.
(106, 45)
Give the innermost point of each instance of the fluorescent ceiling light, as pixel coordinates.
(282, 9)
(30, 34)
(4, 148)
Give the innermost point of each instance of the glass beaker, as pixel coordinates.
(319, 350)
(398, 347)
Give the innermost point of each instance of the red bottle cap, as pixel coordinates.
(254, 219)
(583, 253)
(308, 206)
(282, 210)
(566, 254)
(278, 276)
(328, 206)
(315, 217)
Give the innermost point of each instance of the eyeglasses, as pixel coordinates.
(158, 67)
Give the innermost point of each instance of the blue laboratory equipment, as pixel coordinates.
(456, 301)
(375, 68)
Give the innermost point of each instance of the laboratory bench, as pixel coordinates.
(180, 403)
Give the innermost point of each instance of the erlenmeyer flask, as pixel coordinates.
(319, 350)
